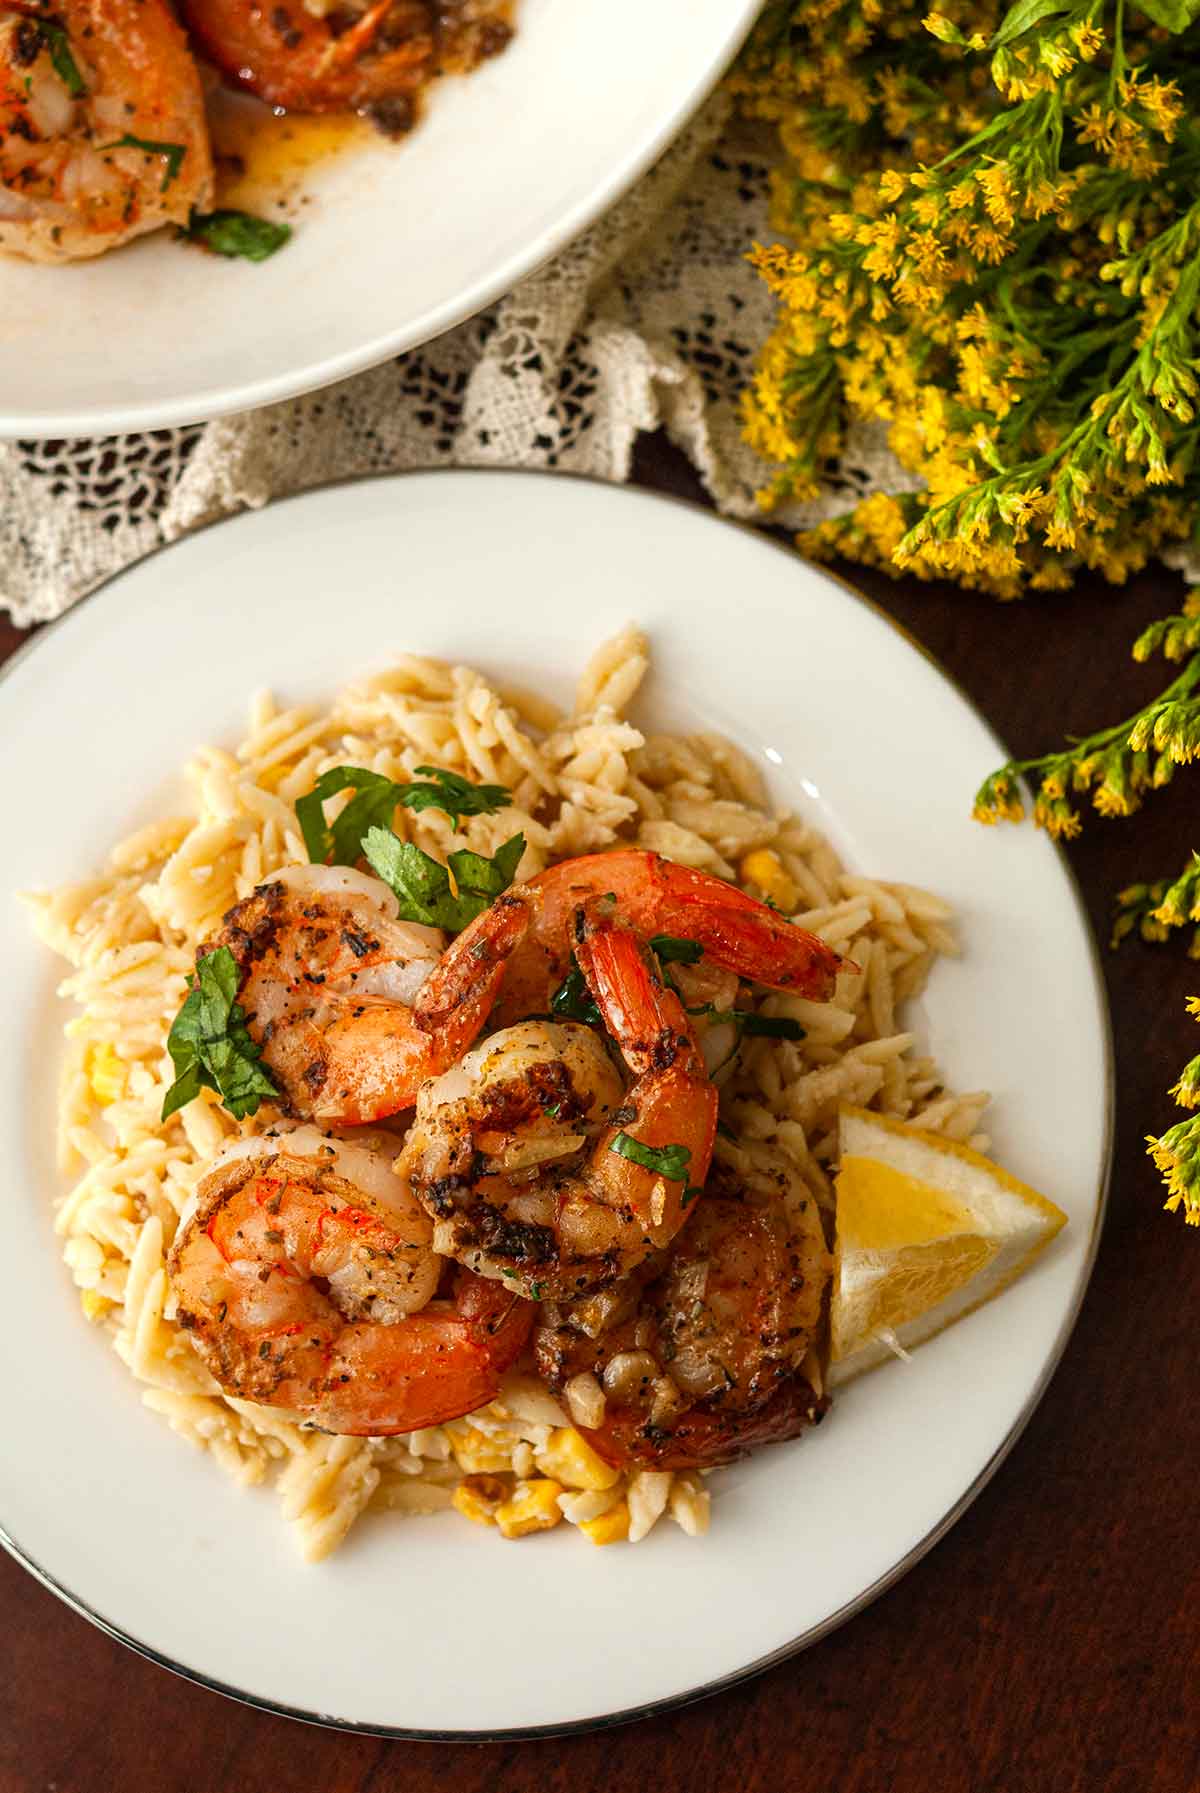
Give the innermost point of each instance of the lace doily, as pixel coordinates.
(651, 319)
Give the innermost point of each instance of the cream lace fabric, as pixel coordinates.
(652, 319)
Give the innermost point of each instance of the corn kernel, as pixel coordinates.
(764, 868)
(94, 1305)
(611, 1527)
(533, 1508)
(477, 1454)
(570, 1459)
(479, 1497)
(106, 1074)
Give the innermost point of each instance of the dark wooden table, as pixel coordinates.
(1051, 1643)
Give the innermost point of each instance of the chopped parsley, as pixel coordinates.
(233, 233)
(667, 1161)
(441, 896)
(173, 152)
(672, 950)
(209, 1043)
(376, 801)
(63, 62)
(573, 1001)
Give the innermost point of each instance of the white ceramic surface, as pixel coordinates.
(396, 243)
(433, 1625)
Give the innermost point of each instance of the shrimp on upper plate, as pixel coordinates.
(369, 56)
(354, 1009)
(536, 1165)
(658, 897)
(702, 1355)
(305, 1276)
(102, 127)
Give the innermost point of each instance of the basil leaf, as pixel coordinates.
(233, 233)
(174, 153)
(454, 794)
(61, 59)
(422, 885)
(342, 842)
(487, 877)
(770, 1027)
(573, 1001)
(185, 1089)
(378, 799)
(674, 951)
(668, 1161)
(210, 1044)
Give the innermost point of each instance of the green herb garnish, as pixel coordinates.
(61, 58)
(573, 1001)
(378, 798)
(210, 1046)
(174, 153)
(672, 950)
(668, 1161)
(441, 896)
(769, 1027)
(232, 233)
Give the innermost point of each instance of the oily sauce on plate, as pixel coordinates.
(262, 153)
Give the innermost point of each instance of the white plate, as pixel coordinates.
(398, 242)
(433, 1626)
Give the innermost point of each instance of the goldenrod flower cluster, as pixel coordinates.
(1177, 1153)
(993, 246)
(991, 224)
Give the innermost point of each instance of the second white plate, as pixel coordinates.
(432, 1627)
(394, 244)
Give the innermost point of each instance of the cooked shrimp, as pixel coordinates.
(306, 1277)
(519, 1152)
(102, 126)
(657, 897)
(702, 1356)
(368, 56)
(353, 1008)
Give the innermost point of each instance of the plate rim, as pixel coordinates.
(205, 407)
(851, 1608)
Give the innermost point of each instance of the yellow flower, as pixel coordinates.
(941, 27)
(1097, 124)
(1110, 801)
(1054, 55)
(1160, 100)
(993, 179)
(989, 245)
(881, 519)
(1088, 40)
(1059, 820)
(1060, 533)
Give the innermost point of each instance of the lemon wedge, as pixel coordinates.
(927, 1230)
